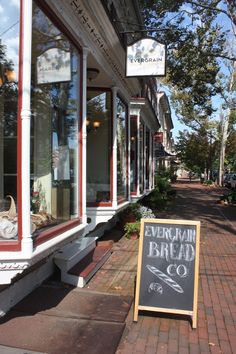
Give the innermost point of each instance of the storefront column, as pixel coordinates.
(145, 162)
(138, 155)
(84, 137)
(150, 161)
(114, 147)
(153, 161)
(27, 243)
(128, 152)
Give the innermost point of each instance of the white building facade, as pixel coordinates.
(77, 136)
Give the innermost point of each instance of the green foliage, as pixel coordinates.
(198, 150)
(162, 184)
(131, 228)
(158, 198)
(208, 182)
(196, 46)
(229, 197)
(131, 210)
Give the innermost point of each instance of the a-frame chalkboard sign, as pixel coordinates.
(168, 267)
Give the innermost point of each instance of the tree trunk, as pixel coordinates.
(225, 126)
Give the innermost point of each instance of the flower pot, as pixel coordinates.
(134, 236)
(126, 219)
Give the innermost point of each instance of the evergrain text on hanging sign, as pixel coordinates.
(146, 57)
(168, 266)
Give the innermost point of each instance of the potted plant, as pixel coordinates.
(132, 230)
(129, 214)
(35, 202)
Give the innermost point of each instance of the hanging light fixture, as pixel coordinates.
(92, 125)
(92, 73)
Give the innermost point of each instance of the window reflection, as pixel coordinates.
(147, 157)
(121, 150)
(98, 146)
(141, 158)
(133, 154)
(9, 57)
(54, 128)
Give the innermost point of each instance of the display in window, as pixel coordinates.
(121, 149)
(98, 146)
(9, 58)
(55, 104)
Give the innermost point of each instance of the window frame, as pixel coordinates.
(109, 203)
(15, 245)
(121, 199)
(67, 225)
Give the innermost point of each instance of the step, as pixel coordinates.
(83, 271)
(71, 254)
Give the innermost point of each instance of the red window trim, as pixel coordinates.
(15, 246)
(121, 199)
(109, 203)
(147, 158)
(55, 231)
(141, 170)
(135, 120)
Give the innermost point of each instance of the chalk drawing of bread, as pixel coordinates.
(165, 278)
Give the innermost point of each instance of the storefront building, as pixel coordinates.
(76, 134)
(164, 151)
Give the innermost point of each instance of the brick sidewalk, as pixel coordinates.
(216, 330)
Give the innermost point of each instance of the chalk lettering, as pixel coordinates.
(171, 251)
(180, 270)
(171, 234)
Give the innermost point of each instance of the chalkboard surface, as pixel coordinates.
(167, 277)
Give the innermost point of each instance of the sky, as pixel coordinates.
(9, 29)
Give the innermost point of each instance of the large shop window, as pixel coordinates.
(9, 56)
(98, 147)
(141, 158)
(147, 157)
(121, 149)
(55, 101)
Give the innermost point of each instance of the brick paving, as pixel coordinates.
(168, 334)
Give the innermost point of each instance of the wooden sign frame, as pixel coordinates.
(137, 307)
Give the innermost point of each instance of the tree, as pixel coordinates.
(197, 150)
(195, 42)
(197, 49)
(225, 119)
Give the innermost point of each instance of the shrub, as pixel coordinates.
(146, 213)
(132, 228)
(162, 184)
(131, 210)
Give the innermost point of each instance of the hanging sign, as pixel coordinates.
(168, 262)
(146, 57)
(158, 137)
(54, 65)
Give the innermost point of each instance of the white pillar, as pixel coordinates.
(27, 243)
(114, 148)
(150, 160)
(144, 158)
(138, 155)
(128, 152)
(84, 137)
(153, 161)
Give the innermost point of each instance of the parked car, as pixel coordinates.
(232, 181)
(227, 179)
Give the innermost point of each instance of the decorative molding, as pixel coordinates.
(20, 266)
(89, 26)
